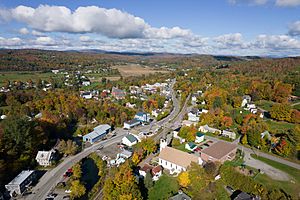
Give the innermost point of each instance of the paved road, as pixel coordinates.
(52, 177)
(272, 172)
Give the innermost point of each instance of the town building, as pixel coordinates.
(131, 123)
(142, 117)
(246, 100)
(180, 196)
(206, 129)
(229, 134)
(191, 146)
(86, 82)
(193, 115)
(219, 152)
(98, 133)
(129, 140)
(175, 160)
(118, 93)
(44, 158)
(87, 95)
(199, 137)
(19, 184)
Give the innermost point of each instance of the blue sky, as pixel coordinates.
(227, 27)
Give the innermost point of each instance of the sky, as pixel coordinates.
(218, 27)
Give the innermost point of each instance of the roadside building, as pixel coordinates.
(229, 134)
(175, 160)
(98, 133)
(142, 116)
(191, 146)
(44, 158)
(131, 123)
(193, 115)
(206, 129)
(199, 137)
(129, 140)
(219, 152)
(19, 184)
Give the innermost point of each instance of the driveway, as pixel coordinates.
(272, 172)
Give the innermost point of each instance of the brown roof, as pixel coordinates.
(219, 149)
(156, 169)
(177, 157)
(146, 168)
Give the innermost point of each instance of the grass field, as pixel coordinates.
(297, 106)
(136, 70)
(267, 105)
(291, 187)
(25, 76)
(279, 126)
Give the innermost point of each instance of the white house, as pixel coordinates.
(129, 140)
(199, 137)
(193, 115)
(44, 158)
(246, 100)
(190, 146)
(155, 113)
(175, 160)
(86, 83)
(130, 124)
(229, 134)
(206, 129)
(87, 95)
(175, 135)
(142, 117)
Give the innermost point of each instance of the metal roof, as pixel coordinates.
(21, 177)
(99, 130)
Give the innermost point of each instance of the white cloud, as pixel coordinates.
(166, 33)
(85, 38)
(9, 42)
(277, 42)
(294, 28)
(234, 40)
(45, 40)
(37, 33)
(250, 2)
(23, 31)
(112, 23)
(287, 3)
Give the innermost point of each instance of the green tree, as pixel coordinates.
(148, 182)
(164, 188)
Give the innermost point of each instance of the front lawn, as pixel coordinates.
(279, 126)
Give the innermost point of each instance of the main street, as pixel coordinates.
(52, 177)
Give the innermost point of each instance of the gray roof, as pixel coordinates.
(133, 121)
(180, 196)
(21, 177)
(99, 130)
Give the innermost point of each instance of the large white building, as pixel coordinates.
(44, 158)
(175, 160)
(19, 184)
(129, 140)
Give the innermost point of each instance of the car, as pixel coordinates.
(66, 197)
(206, 145)
(100, 147)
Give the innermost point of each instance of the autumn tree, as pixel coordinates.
(77, 189)
(121, 184)
(281, 112)
(68, 147)
(183, 179)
